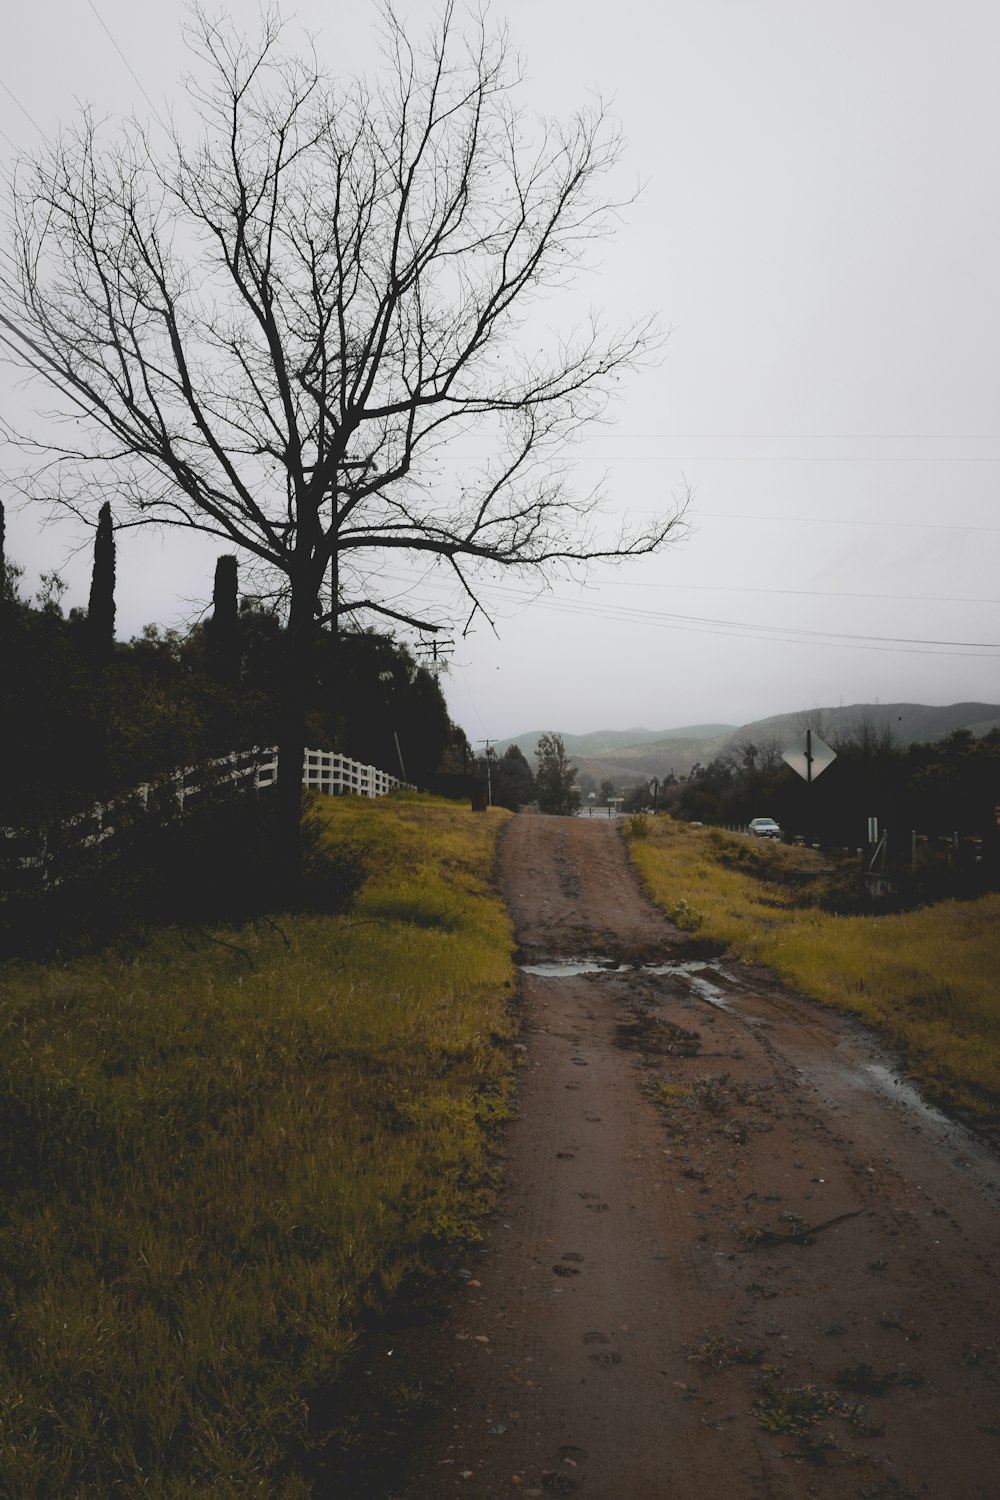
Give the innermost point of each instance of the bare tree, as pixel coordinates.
(867, 737)
(744, 756)
(271, 331)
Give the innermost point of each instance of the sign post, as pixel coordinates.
(809, 756)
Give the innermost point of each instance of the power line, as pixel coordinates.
(846, 640)
(738, 588)
(135, 76)
(721, 515)
(21, 107)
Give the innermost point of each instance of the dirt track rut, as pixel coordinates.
(646, 1316)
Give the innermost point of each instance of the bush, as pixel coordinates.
(217, 863)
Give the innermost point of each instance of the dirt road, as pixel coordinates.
(650, 1315)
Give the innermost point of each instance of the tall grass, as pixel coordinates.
(214, 1158)
(927, 979)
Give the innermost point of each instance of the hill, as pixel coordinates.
(909, 723)
(628, 756)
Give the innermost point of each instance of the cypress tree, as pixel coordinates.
(9, 572)
(101, 609)
(224, 633)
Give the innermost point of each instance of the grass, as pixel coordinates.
(926, 979)
(215, 1160)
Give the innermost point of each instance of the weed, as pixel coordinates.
(738, 1131)
(793, 1409)
(711, 1093)
(798, 1412)
(684, 916)
(673, 1095)
(893, 1319)
(865, 1378)
(718, 1350)
(750, 1231)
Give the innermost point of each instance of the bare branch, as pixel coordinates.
(272, 331)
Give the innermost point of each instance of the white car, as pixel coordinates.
(764, 828)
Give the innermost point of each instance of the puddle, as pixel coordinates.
(569, 968)
(898, 1088)
(695, 972)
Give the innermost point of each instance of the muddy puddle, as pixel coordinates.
(720, 986)
(711, 983)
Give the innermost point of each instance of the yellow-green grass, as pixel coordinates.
(214, 1159)
(926, 979)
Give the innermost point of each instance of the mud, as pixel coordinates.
(735, 1256)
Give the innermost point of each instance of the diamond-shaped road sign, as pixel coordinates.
(809, 755)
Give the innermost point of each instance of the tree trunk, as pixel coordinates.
(292, 733)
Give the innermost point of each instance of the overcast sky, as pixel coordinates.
(820, 231)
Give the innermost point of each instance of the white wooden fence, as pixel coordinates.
(337, 775)
(27, 856)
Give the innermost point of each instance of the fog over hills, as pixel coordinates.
(627, 756)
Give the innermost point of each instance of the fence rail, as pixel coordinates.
(34, 857)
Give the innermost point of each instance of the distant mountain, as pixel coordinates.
(601, 741)
(909, 723)
(628, 756)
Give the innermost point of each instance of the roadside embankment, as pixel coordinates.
(219, 1152)
(925, 979)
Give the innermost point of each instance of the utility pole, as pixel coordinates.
(437, 652)
(489, 778)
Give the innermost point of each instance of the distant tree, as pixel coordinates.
(513, 780)
(556, 778)
(10, 573)
(376, 703)
(101, 609)
(745, 756)
(867, 740)
(818, 721)
(607, 791)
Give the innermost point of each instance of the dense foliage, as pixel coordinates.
(513, 780)
(83, 723)
(936, 790)
(556, 777)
